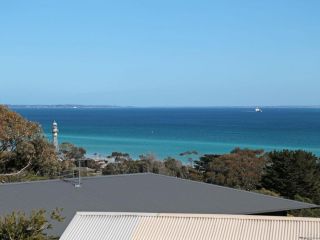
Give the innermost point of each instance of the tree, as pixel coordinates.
(148, 163)
(92, 164)
(242, 168)
(23, 147)
(16, 133)
(45, 161)
(189, 154)
(19, 226)
(119, 156)
(193, 174)
(175, 168)
(110, 169)
(202, 165)
(292, 173)
(125, 164)
(70, 151)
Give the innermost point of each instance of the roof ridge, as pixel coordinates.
(195, 215)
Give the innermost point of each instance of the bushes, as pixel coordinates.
(18, 225)
(242, 168)
(147, 163)
(292, 173)
(23, 148)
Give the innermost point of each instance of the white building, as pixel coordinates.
(55, 135)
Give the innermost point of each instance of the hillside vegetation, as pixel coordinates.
(25, 154)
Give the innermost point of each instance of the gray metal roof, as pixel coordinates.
(137, 193)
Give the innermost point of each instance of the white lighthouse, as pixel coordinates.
(55, 135)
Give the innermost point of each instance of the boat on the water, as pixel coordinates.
(258, 109)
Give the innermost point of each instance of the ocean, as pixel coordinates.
(170, 131)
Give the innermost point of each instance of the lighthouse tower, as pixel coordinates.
(55, 135)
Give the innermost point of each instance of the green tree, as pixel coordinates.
(242, 168)
(19, 226)
(190, 155)
(119, 156)
(70, 151)
(202, 165)
(175, 168)
(110, 169)
(292, 173)
(23, 148)
(149, 163)
(45, 161)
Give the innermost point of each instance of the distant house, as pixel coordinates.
(153, 226)
(145, 193)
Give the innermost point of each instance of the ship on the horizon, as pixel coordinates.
(258, 109)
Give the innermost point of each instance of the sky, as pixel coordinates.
(160, 53)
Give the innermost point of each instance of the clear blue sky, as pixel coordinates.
(160, 53)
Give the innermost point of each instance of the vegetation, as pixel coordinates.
(305, 212)
(23, 148)
(147, 163)
(239, 169)
(25, 154)
(119, 157)
(289, 174)
(18, 226)
(293, 173)
(71, 152)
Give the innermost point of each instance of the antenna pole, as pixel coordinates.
(79, 174)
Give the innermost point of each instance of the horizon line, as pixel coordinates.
(67, 105)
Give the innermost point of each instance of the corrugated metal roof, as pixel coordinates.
(145, 226)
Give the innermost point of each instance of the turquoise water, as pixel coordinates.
(170, 131)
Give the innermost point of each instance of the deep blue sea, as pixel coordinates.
(170, 131)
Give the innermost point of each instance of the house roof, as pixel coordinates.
(131, 226)
(137, 193)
